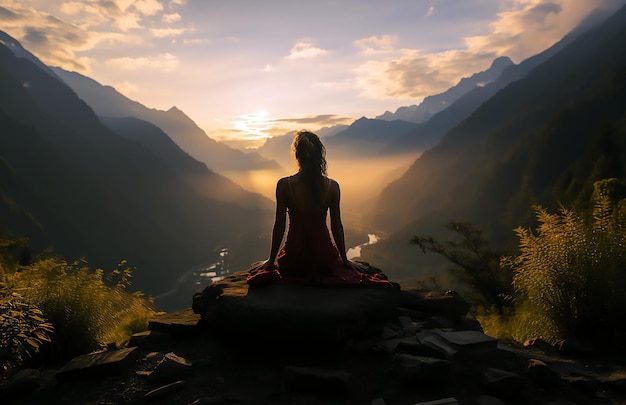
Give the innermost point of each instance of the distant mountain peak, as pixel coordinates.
(501, 62)
(434, 104)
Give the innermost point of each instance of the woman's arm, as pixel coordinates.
(278, 230)
(336, 226)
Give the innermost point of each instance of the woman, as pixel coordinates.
(309, 255)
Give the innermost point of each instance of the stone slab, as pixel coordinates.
(100, 364)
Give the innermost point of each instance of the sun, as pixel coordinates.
(253, 126)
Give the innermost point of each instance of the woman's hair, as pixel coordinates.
(311, 156)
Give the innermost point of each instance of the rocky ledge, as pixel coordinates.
(296, 344)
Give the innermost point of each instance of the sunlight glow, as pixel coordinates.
(254, 126)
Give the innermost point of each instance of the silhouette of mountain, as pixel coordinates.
(68, 181)
(543, 138)
(443, 121)
(203, 180)
(367, 136)
(278, 147)
(433, 104)
(108, 102)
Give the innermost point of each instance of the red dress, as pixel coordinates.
(309, 256)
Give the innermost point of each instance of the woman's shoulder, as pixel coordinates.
(284, 180)
(332, 183)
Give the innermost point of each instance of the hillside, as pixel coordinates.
(69, 182)
(543, 134)
(108, 102)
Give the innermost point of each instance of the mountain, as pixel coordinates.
(543, 138)
(195, 173)
(108, 102)
(366, 136)
(433, 104)
(456, 111)
(68, 181)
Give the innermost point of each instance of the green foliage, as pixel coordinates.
(571, 271)
(22, 330)
(80, 309)
(476, 265)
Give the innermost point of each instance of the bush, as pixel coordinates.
(476, 267)
(86, 308)
(571, 272)
(22, 330)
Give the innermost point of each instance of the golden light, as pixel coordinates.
(254, 126)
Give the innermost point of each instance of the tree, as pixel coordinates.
(476, 265)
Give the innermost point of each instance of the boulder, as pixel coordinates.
(418, 371)
(502, 383)
(99, 364)
(316, 380)
(448, 304)
(542, 375)
(289, 312)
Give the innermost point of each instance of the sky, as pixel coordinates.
(245, 70)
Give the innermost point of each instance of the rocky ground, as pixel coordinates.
(262, 347)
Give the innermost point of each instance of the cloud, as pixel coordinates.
(165, 62)
(166, 32)
(147, 7)
(305, 49)
(320, 120)
(171, 18)
(374, 45)
(7, 15)
(523, 29)
(67, 38)
(430, 11)
(126, 88)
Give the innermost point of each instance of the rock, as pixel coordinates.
(574, 348)
(489, 400)
(465, 323)
(177, 324)
(443, 401)
(316, 380)
(418, 371)
(582, 384)
(449, 343)
(151, 340)
(21, 382)
(450, 305)
(412, 345)
(97, 364)
(542, 375)
(615, 381)
(296, 313)
(502, 383)
(542, 345)
(163, 391)
(170, 368)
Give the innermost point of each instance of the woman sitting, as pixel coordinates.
(309, 255)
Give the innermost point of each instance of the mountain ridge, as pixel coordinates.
(108, 102)
(514, 149)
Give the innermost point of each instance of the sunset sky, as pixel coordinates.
(248, 69)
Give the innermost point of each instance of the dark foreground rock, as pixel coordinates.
(309, 345)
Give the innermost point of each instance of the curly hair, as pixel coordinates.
(311, 157)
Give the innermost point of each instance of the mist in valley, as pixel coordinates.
(361, 180)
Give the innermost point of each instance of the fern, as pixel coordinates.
(571, 270)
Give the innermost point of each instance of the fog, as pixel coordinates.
(360, 179)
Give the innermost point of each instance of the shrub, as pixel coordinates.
(476, 266)
(571, 271)
(87, 308)
(74, 307)
(22, 330)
